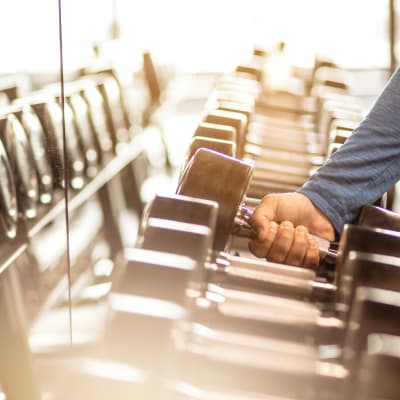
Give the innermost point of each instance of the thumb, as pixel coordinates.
(264, 214)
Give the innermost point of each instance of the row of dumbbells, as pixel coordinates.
(196, 181)
(189, 320)
(37, 165)
(285, 141)
(33, 156)
(99, 154)
(251, 327)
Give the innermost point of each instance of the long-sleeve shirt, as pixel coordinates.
(365, 166)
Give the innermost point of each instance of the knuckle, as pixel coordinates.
(286, 233)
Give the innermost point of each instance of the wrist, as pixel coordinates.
(319, 224)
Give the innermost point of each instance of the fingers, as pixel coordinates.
(264, 213)
(286, 244)
(311, 259)
(299, 247)
(265, 237)
(282, 244)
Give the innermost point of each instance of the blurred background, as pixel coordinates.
(197, 36)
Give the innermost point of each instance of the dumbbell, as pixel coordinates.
(22, 164)
(268, 174)
(326, 115)
(227, 147)
(102, 96)
(301, 140)
(149, 317)
(36, 137)
(196, 182)
(236, 120)
(223, 179)
(378, 217)
(130, 307)
(216, 131)
(368, 270)
(194, 241)
(262, 171)
(116, 120)
(204, 212)
(290, 174)
(334, 78)
(377, 375)
(86, 135)
(121, 132)
(189, 240)
(229, 270)
(246, 298)
(379, 310)
(343, 102)
(8, 197)
(95, 104)
(50, 116)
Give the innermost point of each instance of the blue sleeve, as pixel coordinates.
(365, 166)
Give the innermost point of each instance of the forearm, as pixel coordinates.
(366, 166)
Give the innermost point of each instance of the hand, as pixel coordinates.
(283, 223)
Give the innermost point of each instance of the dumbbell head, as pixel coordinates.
(86, 136)
(95, 102)
(332, 77)
(241, 108)
(368, 270)
(76, 158)
(122, 101)
(112, 106)
(227, 147)
(252, 71)
(175, 237)
(36, 137)
(226, 94)
(214, 176)
(159, 275)
(182, 208)
(22, 164)
(217, 131)
(378, 374)
(8, 196)
(373, 311)
(228, 118)
(147, 298)
(377, 217)
(50, 116)
(374, 240)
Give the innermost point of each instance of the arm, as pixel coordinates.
(363, 168)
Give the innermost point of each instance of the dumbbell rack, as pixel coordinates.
(199, 363)
(16, 355)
